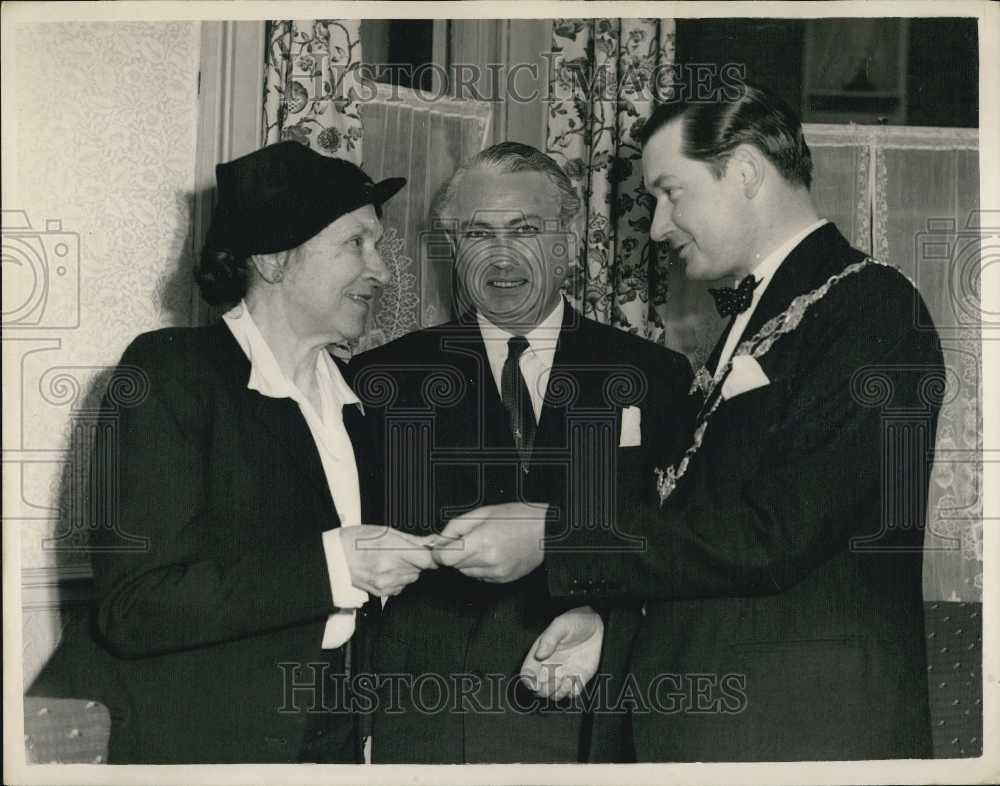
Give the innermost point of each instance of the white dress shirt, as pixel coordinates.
(763, 272)
(536, 361)
(335, 451)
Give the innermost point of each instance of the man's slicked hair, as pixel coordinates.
(713, 130)
(508, 158)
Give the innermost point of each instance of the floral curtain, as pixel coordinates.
(311, 73)
(602, 87)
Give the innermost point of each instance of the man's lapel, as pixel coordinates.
(466, 346)
(806, 267)
(713, 358)
(570, 352)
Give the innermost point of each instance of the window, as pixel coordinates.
(917, 72)
(404, 47)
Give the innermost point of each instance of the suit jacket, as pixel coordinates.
(212, 585)
(448, 448)
(783, 577)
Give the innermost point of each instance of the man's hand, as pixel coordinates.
(565, 656)
(495, 543)
(383, 560)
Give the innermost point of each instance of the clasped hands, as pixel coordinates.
(502, 543)
(494, 543)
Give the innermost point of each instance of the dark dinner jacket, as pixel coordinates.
(436, 386)
(226, 489)
(787, 565)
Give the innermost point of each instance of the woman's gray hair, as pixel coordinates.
(507, 158)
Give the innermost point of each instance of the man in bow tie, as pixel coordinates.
(520, 401)
(781, 571)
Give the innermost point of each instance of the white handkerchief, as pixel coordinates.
(746, 374)
(631, 434)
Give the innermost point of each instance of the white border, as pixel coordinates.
(983, 770)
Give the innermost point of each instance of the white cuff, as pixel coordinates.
(345, 594)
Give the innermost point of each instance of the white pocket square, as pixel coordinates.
(631, 433)
(745, 374)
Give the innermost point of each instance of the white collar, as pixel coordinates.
(767, 267)
(543, 336)
(266, 376)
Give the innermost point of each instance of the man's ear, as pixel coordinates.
(748, 164)
(271, 267)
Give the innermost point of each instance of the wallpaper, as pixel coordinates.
(96, 250)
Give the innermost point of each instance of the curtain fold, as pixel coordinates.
(311, 70)
(601, 93)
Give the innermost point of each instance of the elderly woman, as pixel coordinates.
(235, 619)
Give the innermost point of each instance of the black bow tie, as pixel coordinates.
(735, 300)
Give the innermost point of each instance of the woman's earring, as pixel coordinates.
(270, 267)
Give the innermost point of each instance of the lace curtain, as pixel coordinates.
(424, 141)
(926, 221)
(910, 196)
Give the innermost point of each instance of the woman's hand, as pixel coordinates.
(383, 560)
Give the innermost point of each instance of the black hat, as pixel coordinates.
(278, 197)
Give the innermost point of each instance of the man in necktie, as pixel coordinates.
(519, 400)
(782, 561)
